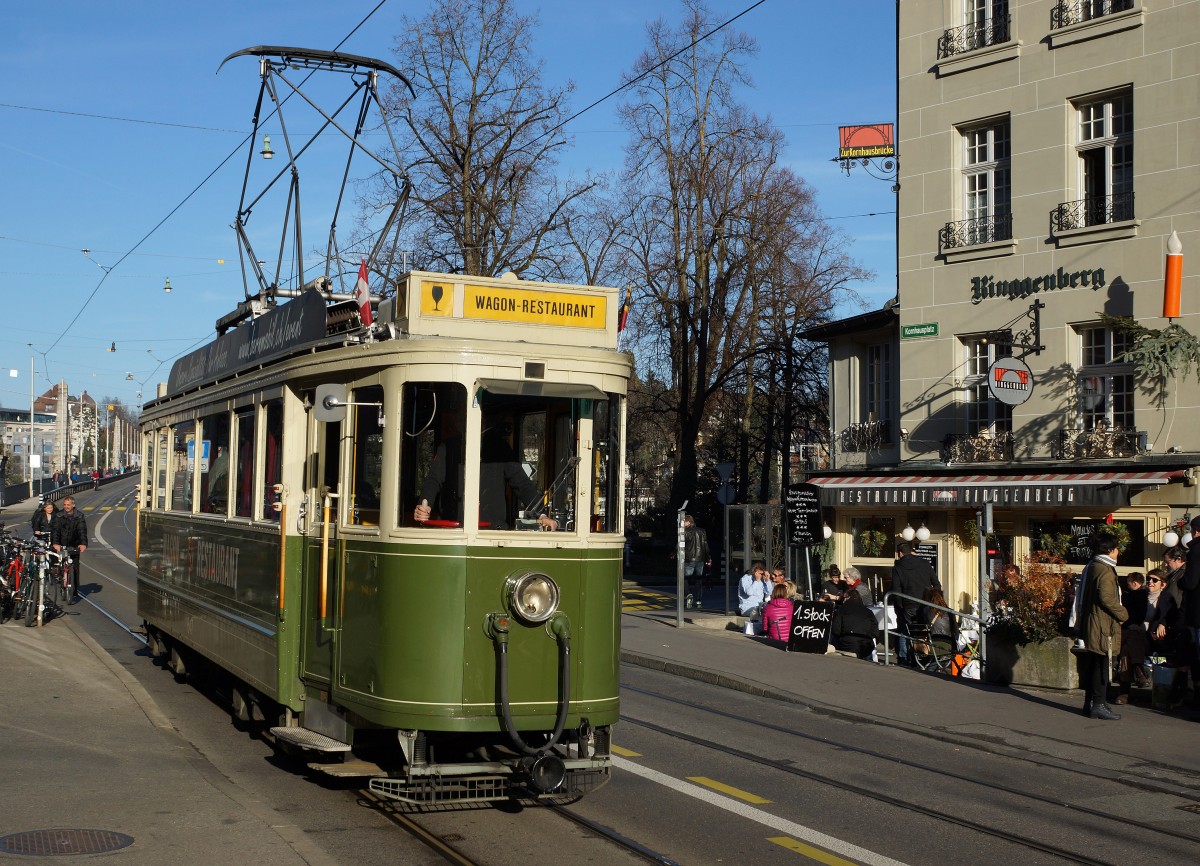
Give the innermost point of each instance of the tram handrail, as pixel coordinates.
(978, 620)
(329, 497)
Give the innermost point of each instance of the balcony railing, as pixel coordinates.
(978, 448)
(1095, 211)
(865, 436)
(959, 40)
(965, 233)
(1068, 12)
(1101, 441)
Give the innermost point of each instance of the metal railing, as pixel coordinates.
(984, 230)
(978, 620)
(1093, 211)
(1101, 442)
(959, 40)
(865, 436)
(1068, 12)
(978, 448)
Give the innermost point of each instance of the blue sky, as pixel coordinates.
(72, 181)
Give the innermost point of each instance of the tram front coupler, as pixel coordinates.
(544, 770)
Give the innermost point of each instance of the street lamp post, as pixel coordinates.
(29, 450)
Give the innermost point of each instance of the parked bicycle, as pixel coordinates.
(62, 566)
(35, 579)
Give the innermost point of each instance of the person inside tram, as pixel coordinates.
(499, 471)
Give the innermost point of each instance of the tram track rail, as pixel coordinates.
(938, 771)
(898, 802)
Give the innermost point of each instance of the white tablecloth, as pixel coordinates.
(879, 610)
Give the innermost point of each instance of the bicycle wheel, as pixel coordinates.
(63, 583)
(32, 605)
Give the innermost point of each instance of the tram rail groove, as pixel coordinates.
(1144, 783)
(966, 823)
(624, 842)
(950, 774)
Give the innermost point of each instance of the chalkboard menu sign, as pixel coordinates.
(929, 553)
(1076, 534)
(811, 621)
(804, 515)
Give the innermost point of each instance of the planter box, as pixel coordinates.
(1049, 664)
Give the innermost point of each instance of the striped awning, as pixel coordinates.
(953, 491)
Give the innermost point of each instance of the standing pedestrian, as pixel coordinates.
(1189, 608)
(696, 560)
(70, 530)
(913, 576)
(1100, 615)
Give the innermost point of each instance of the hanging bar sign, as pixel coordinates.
(1010, 381)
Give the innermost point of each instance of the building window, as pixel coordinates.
(987, 188)
(1068, 12)
(985, 23)
(877, 396)
(1105, 382)
(984, 414)
(1104, 146)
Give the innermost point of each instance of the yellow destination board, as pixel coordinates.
(563, 309)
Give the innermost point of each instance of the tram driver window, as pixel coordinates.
(432, 430)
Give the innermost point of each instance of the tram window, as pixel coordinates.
(160, 468)
(528, 460)
(273, 458)
(244, 455)
(214, 471)
(366, 476)
(606, 451)
(183, 466)
(431, 452)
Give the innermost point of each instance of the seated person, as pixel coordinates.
(1162, 615)
(852, 582)
(777, 614)
(752, 592)
(499, 470)
(941, 624)
(831, 588)
(854, 627)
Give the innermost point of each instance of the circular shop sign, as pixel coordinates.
(1010, 381)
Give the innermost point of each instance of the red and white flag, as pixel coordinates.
(362, 294)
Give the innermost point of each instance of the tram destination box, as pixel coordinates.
(454, 305)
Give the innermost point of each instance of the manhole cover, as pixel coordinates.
(57, 843)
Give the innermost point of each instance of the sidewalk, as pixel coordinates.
(92, 765)
(1148, 748)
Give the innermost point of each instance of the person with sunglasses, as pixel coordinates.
(1162, 614)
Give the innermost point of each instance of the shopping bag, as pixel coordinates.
(1163, 683)
(970, 670)
(750, 629)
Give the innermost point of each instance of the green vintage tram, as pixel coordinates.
(340, 518)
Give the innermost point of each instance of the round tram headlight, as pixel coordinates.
(533, 597)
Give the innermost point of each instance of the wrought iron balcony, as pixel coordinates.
(1094, 211)
(959, 40)
(965, 233)
(1101, 441)
(1068, 12)
(865, 436)
(983, 447)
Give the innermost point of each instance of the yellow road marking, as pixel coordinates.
(809, 851)
(624, 753)
(745, 796)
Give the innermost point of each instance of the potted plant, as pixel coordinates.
(1025, 641)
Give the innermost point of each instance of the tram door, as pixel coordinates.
(322, 483)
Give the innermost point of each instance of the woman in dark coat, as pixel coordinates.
(1101, 618)
(43, 521)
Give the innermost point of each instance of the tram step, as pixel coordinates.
(348, 769)
(306, 739)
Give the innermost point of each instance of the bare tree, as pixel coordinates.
(727, 247)
(479, 141)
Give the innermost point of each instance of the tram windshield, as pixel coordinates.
(528, 458)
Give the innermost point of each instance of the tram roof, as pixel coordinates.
(425, 305)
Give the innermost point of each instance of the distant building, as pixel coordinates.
(1047, 151)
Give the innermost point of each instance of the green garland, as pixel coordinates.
(871, 542)
(1160, 355)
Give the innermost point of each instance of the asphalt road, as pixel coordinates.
(705, 775)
